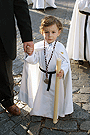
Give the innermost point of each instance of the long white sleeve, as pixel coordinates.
(33, 59)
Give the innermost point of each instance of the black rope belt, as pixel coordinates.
(85, 34)
(50, 76)
(83, 12)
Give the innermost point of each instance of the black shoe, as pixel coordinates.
(80, 62)
(14, 110)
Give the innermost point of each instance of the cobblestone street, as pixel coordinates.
(78, 123)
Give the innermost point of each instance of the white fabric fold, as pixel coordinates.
(41, 4)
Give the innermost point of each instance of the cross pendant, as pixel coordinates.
(46, 81)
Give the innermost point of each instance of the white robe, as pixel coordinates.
(75, 42)
(33, 90)
(41, 4)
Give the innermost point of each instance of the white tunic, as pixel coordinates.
(75, 42)
(41, 4)
(33, 89)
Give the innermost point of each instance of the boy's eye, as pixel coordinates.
(46, 31)
(53, 31)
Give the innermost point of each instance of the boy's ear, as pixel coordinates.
(59, 32)
(42, 32)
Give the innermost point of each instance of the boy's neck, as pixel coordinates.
(50, 43)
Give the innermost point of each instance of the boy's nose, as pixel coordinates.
(50, 34)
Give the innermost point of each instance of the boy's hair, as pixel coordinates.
(48, 21)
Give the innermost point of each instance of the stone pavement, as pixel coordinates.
(78, 123)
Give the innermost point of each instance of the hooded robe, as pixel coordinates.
(33, 89)
(78, 43)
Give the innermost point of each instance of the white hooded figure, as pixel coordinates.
(42, 4)
(78, 43)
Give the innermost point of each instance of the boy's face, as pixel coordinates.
(51, 33)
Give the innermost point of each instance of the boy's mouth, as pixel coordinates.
(49, 39)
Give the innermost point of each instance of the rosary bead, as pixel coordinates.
(49, 59)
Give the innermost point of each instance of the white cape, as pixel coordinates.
(75, 42)
(41, 4)
(34, 92)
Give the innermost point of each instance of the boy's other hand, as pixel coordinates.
(60, 74)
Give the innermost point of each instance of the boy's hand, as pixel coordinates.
(60, 74)
(28, 47)
(29, 50)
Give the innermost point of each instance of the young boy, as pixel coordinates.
(38, 80)
(78, 43)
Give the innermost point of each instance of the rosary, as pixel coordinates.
(47, 64)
